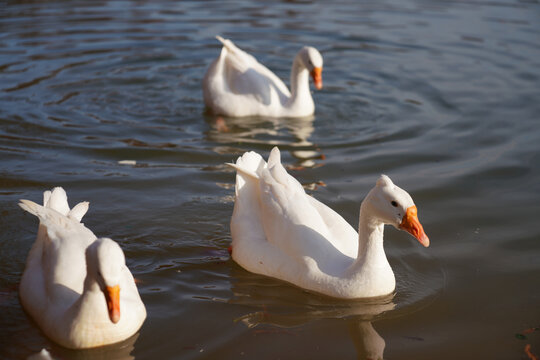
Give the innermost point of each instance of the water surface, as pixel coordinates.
(440, 96)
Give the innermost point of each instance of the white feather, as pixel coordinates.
(236, 85)
(280, 231)
(60, 292)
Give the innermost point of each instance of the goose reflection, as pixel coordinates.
(289, 133)
(118, 351)
(367, 341)
(272, 296)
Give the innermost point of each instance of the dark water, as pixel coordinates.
(442, 96)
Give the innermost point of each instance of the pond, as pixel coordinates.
(104, 98)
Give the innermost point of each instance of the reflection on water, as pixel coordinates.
(368, 343)
(120, 351)
(298, 307)
(292, 134)
(42, 355)
(359, 315)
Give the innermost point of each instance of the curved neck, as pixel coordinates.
(84, 306)
(73, 322)
(370, 243)
(300, 93)
(370, 238)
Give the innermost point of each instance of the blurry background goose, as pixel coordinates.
(236, 84)
(441, 96)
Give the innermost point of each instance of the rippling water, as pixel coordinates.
(442, 96)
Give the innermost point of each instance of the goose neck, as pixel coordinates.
(300, 92)
(370, 240)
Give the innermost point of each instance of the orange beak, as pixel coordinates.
(112, 295)
(411, 224)
(316, 74)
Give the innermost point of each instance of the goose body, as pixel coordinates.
(237, 85)
(279, 231)
(76, 287)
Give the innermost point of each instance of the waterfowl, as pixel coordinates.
(237, 85)
(279, 231)
(75, 286)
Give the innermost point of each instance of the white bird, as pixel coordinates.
(76, 287)
(237, 85)
(280, 231)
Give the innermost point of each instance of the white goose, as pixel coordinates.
(280, 231)
(236, 85)
(77, 288)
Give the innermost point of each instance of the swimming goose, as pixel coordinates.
(279, 231)
(237, 85)
(76, 287)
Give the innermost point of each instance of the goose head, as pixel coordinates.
(312, 60)
(392, 205)
(106, 262)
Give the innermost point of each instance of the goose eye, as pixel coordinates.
(394, 203)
